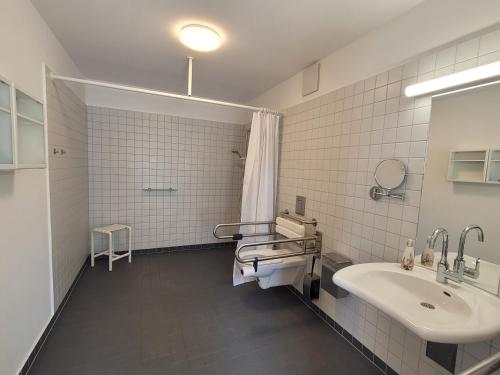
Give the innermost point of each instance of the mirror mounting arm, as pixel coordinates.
(376, 192)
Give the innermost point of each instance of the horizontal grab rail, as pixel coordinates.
(238, 236)
(305, 251)
(242, 235)
(286, 215)
(486, 366)
(159, 189)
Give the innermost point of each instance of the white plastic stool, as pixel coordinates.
(110, 252)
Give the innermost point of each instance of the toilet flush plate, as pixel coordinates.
(300, 205)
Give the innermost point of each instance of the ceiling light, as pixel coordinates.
(200, 38)
(480, 73)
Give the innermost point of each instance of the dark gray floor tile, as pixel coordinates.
(178, 313)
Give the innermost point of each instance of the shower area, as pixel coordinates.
(172, 179)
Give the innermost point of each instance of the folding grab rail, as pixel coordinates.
(239, 236)
(316, 249)
(313, 249)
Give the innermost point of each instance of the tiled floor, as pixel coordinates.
(178, 313)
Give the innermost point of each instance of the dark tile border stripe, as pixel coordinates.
(205, 246)
(32, 357)
(377, 362)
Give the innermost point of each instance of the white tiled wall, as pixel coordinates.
(329, 149)
(129, 151)
(68, 178)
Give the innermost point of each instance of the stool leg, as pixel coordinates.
(129, 245)
(110, 253)
(92, 249)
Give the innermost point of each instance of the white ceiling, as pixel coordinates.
(265, 41)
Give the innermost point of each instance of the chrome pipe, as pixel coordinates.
(486, 366)
(158, 93)
(190, 76)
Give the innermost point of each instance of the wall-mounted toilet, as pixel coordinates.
(276, 272)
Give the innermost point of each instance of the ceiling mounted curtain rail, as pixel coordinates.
(157, 93)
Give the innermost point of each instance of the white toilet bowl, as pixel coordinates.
(276, 272)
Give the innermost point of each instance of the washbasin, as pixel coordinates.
(447, 313)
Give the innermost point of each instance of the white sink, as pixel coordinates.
(447, 313)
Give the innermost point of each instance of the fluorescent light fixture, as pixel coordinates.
(200, 38)
(480, 73)
(466, 89)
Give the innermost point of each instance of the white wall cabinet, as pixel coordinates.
(479, 166)
(22, 129)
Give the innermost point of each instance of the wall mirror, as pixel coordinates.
(389, 175)
(455, 193)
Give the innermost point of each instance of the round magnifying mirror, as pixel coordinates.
(390, 173)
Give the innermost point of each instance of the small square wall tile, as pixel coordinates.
(467, 50)
(422, 115)
(446, 57)
(418, 149)
(419, 132)
(395, 74)
(394, 89)
(410, 69)
(489, 43)
(382, 79)
(427, 64)
(488, 58)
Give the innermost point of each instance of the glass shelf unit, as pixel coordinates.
(478, 166)
(30, 132)
(7, 130)
(467, 165)
(493, 175)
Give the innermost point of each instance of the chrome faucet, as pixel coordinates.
(459, 269)
(442, 269)
(459, 266)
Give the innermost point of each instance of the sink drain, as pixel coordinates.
(427, 305)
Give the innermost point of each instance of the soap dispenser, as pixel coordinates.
(427, 257)
(408, 259)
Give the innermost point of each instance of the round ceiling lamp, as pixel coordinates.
(200, 38)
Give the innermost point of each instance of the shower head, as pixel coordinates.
(237, 153)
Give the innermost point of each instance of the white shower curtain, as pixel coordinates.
(260, 181)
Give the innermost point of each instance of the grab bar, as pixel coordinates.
(159, 189)
(305, 251)
(486, 366)
(275, 242)
(239, 236)
(286, 214)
